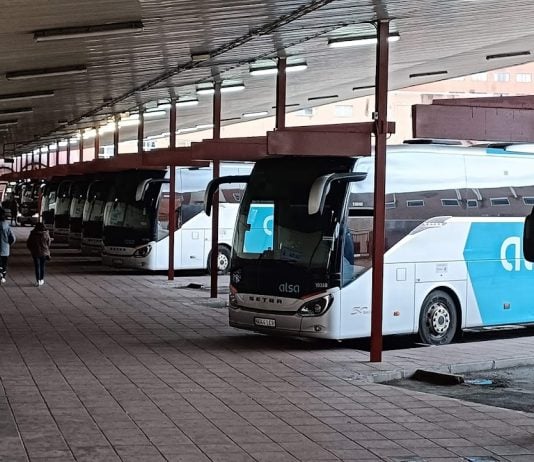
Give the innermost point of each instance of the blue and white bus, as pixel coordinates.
(136, 220)
(302, 251)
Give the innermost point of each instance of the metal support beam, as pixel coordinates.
(380, 116)
(281, 89)
(172, 193)
(68, 152)
(216, 174)
(80, 148)
(40, 159)
(116, 136)
(57, 152)
(141, 131)
(97, 144)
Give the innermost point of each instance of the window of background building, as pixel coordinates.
(501, 77)
(306, 112)
(523, 77)
(343, 110)
(481, 77)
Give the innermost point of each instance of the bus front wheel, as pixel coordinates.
(223, 260)
(438, 321)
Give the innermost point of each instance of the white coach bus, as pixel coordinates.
(136, 220)
(302, 251)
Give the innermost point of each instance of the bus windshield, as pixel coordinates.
(274, 224)
(127, 215)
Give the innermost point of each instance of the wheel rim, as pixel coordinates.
(438, 319)
(222, 262)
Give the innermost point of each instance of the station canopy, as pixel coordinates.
(69, 65)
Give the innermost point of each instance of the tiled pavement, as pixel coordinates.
(107, 366)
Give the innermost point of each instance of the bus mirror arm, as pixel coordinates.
(213, 186)
(321, 188)
(528, 237)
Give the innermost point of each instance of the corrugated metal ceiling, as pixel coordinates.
(124, 71)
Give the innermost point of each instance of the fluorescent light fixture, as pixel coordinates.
(265, 69)
(46, 72)
(63, 33)
(203, 126)
(199, 57)
(187, 129)
(153, 114)
(316, 98)
(36, 151)
(7, 123)
(428, 74)
(255, 114)
(164, 106)
(52, 147)
(187, 102)
(20, 110)
(363, 87)
(289, 105)
(128, 123)
(26, 95)
(351, 41)
(205, 91)
(230, 119)
(108, 128)
(232, 88)
(508, 55)
(63, 143)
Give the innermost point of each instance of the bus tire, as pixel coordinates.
(223, 260)
(438, 321)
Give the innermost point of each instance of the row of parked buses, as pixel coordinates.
(124, 216)
(21, 200)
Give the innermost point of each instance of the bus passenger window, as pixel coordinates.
(357, 240)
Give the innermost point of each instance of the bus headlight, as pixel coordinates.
(316, 307)
(142, 251)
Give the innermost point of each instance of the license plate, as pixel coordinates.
(265, 322)
(117, 261)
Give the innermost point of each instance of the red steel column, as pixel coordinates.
(215, 208)
(40, 159)
(57, 152)
(80, 147)
(97, 143)
(380, 116)
(116, 137)
(141, 131)
(68, 151)
(172, 188)
(281, 94)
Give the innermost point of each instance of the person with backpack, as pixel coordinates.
(38, 244)
(7, 239)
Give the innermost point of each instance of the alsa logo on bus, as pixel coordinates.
(286, 288)
(513, 243)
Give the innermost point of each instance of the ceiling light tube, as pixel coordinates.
(363, 87)
(428, 74)
(47, 72)
(63, 143)
(255, 114)
(128, 123)
(63, 33)
(260, 70)
(153, 114)
(351, 41)
(203, 126)
(205, 91)
(508, 55)
(7, 123)
(26, 95)
(187, 102)
(20, 110)
(232, 88)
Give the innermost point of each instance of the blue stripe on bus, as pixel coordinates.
(502, 280)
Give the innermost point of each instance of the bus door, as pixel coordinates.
(195, 229)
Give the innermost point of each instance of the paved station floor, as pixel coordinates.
(104, 365)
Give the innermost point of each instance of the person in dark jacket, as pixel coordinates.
(7, 239)
(39, 245)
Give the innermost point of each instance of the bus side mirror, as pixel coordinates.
(213, 186)
(321, 187)
(528, 238)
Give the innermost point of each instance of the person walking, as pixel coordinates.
(14, 208)
(7, 239)
(38, 244)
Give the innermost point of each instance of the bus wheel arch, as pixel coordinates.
(440, 317)
(223, 259)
